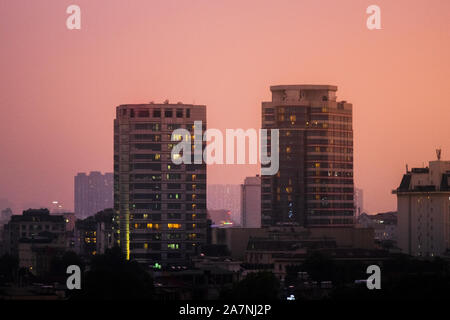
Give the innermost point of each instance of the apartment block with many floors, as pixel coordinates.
(314, 185)
(160, 206)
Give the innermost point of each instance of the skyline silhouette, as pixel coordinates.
(60, 87)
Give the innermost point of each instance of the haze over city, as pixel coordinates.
(58, 100)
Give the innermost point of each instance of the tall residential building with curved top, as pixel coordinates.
(314, 184)
(161, 207)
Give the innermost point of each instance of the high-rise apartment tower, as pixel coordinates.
(314, 184)
(160, 206)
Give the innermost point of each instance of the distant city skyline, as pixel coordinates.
(59, 100)
(93, 193)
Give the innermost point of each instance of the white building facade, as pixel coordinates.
(423, 200)
(251, 202)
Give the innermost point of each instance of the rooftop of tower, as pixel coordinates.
(303, 87)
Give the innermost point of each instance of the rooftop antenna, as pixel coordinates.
(406, 168)
(438, 154)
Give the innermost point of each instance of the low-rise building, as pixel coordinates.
(95, 234)
(383, 224)
(36, 254)
(423, 201)
(237, 239)
(31, 225)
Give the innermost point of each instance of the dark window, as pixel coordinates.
(149, 166)
(173, 126)
(179, 113)
(188, 113)
(148, 146)
(156, 113)
(168, 113)
(147, 126)
(143, 114)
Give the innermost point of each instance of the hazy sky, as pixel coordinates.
(59, 87)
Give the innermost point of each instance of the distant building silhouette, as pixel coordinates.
(251, 202)
(5, 215)
(384, 225)
(314, 185)
(93, 193)
(225, 197)
(359, 202)
(220, 216)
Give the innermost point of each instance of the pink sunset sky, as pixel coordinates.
(59, 87)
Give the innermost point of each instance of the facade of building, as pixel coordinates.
(278, 256)
(251, 202)
(33, 226)
(37, 254)
(237, 239)
(423, 201)
(359, 202)
(314, 184)
(384, 225)
(93, 193)
(160, 206)
(95, 234)
(106, 228)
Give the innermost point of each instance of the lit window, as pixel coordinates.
(176, 137)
